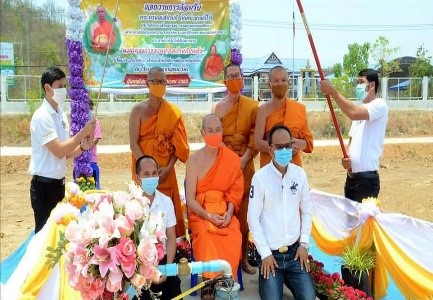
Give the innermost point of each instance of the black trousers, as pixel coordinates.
(169, 288)
(361, 188)
(44, 197)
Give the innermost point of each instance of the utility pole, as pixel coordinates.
(27, 40)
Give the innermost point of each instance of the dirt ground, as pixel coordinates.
(406, 184)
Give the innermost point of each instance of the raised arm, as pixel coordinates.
(354, 112)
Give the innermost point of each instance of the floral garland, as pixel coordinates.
(235, 32)
(79, 95)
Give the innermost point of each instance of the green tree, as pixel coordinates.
(337, 69)
(421, 67)
(382, 52)
(356, 59)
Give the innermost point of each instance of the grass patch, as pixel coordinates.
(15, 130)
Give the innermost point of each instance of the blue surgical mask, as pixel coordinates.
(361, 93)
(283, 156)
(149, 184)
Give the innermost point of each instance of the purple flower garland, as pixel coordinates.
(79, 103)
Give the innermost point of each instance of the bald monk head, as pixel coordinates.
(212, 130)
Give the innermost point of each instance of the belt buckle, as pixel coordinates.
(63, 180)
(283, 249)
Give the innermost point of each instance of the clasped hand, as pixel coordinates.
(221, 221)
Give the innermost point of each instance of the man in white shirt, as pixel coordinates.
(147, 173)
(280, 220)
(51, 146)
(367, 135)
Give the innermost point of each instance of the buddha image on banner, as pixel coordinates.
(190, 40)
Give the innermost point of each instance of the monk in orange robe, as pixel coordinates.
(214, 188)
(214, 65)
(156, 128)
(100, 32)
(238, 115)
(281, 110)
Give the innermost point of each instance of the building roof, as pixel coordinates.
(265, 63)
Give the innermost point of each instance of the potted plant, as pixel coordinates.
(356, 266)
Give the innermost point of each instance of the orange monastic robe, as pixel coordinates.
(223, 183)
(294, 116)
(101, 34)
(161, 136)
(238, 134)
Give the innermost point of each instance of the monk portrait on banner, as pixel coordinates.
(214, 65)
(102, 33)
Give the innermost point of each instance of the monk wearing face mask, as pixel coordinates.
(214, 187)
(238, 115)
(281, 110)
(157, 129)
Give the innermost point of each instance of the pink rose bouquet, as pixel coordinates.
(114, 243)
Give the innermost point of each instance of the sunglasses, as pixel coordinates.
(281, 146)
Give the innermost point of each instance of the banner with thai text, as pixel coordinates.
(7, 64)
(190, 40)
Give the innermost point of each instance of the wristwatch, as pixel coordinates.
(305, 245)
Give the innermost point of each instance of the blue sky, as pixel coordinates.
(267, 26)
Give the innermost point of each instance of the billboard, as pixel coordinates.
(190, 40)
(7, 64)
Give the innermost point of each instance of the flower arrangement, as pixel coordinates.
(331, 286)
(114, 243)
(183, 250)
(86, 183)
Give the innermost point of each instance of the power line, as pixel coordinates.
(339, 27)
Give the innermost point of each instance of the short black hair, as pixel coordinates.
(137, 163)
(371, 76)
(229, 66)
(50, 75)
(274, 129)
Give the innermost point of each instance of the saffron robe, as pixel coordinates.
(293, 115)
(238, 135)
(161, 136)
(101, 36)
(223, 183)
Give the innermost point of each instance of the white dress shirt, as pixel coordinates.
(280, 209)
(163, 204)
(47, 125)
(366, 146)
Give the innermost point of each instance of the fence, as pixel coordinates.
(21, 94)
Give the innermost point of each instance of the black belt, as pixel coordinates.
(367, 174)
(49, 180)
(285, 249)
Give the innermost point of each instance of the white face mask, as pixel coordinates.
(60, 95)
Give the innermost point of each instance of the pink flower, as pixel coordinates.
(147, 253)
(114, 282)
(124, 225)
(133, 210)
(105, 258)
(126, 254)
(138, 281)
(120, 198)
(123, 296)
(160, 249)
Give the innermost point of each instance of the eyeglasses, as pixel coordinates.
(234, 76)
(281, 146)
(157, 81)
